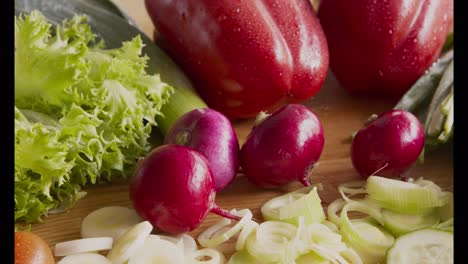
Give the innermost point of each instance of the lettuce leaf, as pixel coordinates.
(83, 113)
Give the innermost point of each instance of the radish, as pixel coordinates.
(173, 189)
(390, 144)
(211, 133)
(284, 147)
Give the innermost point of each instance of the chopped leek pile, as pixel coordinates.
(116, 234)
(399, 223)
(391, 215)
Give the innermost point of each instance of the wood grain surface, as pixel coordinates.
(341, 115)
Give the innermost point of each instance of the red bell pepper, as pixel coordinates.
(381, 47)
(244, 56)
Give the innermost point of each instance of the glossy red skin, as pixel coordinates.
(173, 188)
(244, 56)
(31, 249)
(210, 133)
(381, 48)
(393, 141)
(283, 148)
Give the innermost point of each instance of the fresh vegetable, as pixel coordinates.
(355, 239)
(431, 99)
(365, 234)
(405, 197)
(370, 240)
(244, 56)
(279, 242)
(391, 206)
(84, 245)
(397, 198)
(389, 144)
(126, 246)
(208, 238)
(173, 188)
(31, 249)
(274, 241)
(248, 229)
(83, 113)
(137, 245)
(210, 133)
(284, 147)
(156, 250)
(104, 17)
(383, 47)
(268, 241)
(420, 94)
(422, 246)
(290, 207)
(186, 243)
(399, 224)
(111, 221)
(84, 258)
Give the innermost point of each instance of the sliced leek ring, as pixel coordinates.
(369, 240)
(250, 227)
(129, 243)
(289, 207)
(158, 251)
(210, 238)
(269, 241)
(405, 197)
(333, 209)
(399, 224)
(84, 245)
(352, 188)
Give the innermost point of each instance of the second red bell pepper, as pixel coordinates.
(382, 47)
(244, 56)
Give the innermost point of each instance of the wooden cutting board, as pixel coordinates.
(341, 115)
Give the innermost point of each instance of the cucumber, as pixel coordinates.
(399, 224)
(424, 246)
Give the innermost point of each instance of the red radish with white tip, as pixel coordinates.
(173, 189)
(284, 147)
(211, 133)
(388, 145)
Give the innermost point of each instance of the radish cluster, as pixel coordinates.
(174, 186)
(211, 133)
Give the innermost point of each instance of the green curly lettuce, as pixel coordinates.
(83, 113)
